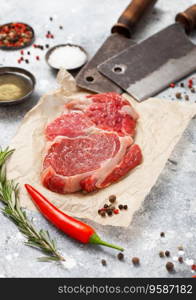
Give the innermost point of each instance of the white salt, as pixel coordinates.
(68, 57)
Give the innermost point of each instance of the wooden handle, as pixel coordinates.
(130, 17)
(188, 19)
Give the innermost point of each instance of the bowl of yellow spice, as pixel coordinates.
(16, 85)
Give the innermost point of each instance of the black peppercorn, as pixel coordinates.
(27, 61)
(109, 212)
(162, 234)
(167, 253)
(135, 261)
(47, 46)
(180, 259)
(169, 266)
(161, 254)
(125, 207)
(120, 256)
(105, 206)
(102, 213)
(112, 198)
(103, 261)
(120, 206)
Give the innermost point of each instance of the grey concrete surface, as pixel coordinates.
(170, 206)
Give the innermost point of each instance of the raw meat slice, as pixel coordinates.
(90, 145)
(69, 161)
(130, 160)
(108, 111)
(71, 125)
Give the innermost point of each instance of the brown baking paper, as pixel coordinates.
(160, 127)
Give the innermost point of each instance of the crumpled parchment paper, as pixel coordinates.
(160, 127)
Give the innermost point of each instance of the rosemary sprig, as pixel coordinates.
(9, 195)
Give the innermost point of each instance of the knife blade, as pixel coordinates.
(120, 39)
(149, 67)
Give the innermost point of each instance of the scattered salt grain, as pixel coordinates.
(181, 252)
(175, 258)
(189, 262)
(8, 257)
(69, 57)
(69, 262)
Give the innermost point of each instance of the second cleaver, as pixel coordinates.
(149, 67)
(120, 39)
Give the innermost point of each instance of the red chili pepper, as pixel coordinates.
(72, 227)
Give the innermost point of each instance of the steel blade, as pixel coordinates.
(89, 77)
(149, 67)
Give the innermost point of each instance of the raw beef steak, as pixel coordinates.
(91, 144)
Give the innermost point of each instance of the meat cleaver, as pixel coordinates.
(120, 39)
(149, 67)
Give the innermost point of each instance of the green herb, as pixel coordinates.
(9, 195)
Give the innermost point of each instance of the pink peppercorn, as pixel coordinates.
(172, 85)
(37, 57)
(193, 267)
(116, 211)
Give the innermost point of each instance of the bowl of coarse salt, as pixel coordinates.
(68, 56)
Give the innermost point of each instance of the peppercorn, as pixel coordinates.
(120, 206)
(162, 234)
(120, 256)
(180, 259)
(37, 57)
(102, 213)
(51, 36)
(186, 97)
(60, 27)
(193, 90)
(21, 52)
(167, 253)
(169, 266)
(27, 61)
(28, 52)
(103, 261)
(19, 61)
(180, 248)
(161, 254)
(193, 267)
(182, 84)
(125, 207)
(172, 85)
(116, 211)
(178, 95)
(105, 206)
(99, 211)
(112, 198)
(135, 261)
(51, 19)
(109, 212)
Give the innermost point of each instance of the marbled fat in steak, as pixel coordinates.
(91, 144)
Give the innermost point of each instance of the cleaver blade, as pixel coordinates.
(89, 78)
(149, 67)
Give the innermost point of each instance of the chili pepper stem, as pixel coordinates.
(95, 239)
